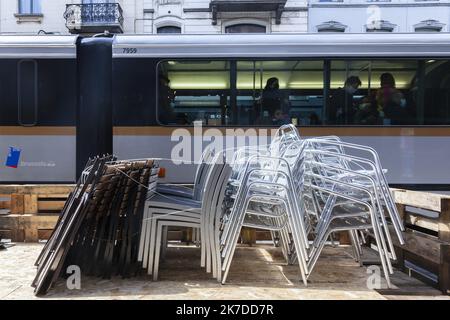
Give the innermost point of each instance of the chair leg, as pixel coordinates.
(143, 235)
(164, 243)
(299, 253)
(228, 265)
(152, 241)
(157, 251)
(355, 246)
(202, 244)
(148, 236)
(381, 252)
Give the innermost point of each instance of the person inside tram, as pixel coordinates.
(367, 113)
(273, 101)
(280, 118)
(391, 103)
(314, 119)
(342, 104)
(166, 97)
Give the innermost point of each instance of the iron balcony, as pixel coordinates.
(94, 18)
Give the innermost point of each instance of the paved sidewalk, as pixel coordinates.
(257, 273)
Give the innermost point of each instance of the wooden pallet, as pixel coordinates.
(27, 227)
(426, 254)
(30, 212)
(33, 199)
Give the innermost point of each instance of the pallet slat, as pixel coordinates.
(424, 200)
(53, 196)
(422, 222)
(24, 227)
(17, 203)
(30, 203)
(6, 204)
(50, 205)
(37, 189)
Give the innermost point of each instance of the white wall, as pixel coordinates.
(51, 21)
(145, 16)
(173, 13)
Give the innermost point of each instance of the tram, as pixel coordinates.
(158, 89)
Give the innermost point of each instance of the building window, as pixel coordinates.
(380, 26)
(429, 26)
(331, 26)
(169, 29)
(30, 7)
(98, 1)
(245, 28)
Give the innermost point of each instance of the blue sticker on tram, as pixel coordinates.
(12, 160)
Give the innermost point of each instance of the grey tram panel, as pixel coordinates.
(38, 47)
(281, 45)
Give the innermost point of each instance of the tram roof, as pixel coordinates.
(38, 46)
(283, 45)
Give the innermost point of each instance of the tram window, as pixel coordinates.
(240, 92)
(435, 93)
(384, 95)
(27, 93)
(306, 92)
(192, 90)
(279, 92)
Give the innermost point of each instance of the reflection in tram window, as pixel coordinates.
(305, 92)
(192, 91)
(342, 105)
(384, 97)
(279, 92)
(241, 92)
(434, 92)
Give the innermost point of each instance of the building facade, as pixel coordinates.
(223, 16)
(357, 16)
(153, 16)
(22, 16)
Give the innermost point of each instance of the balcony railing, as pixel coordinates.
(94, 18)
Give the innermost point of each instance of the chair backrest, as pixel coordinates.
(201, 174)
(284, 136)
(212, 176)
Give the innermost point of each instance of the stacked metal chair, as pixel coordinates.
(350, 193)
(265, 197)
(341, 198)
(164, 210)
(302, 190)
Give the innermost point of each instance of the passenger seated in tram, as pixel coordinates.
(342, 104)
(367, 113)
(274, 101)
(280, 118)
(314, 119)
(391, 103)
